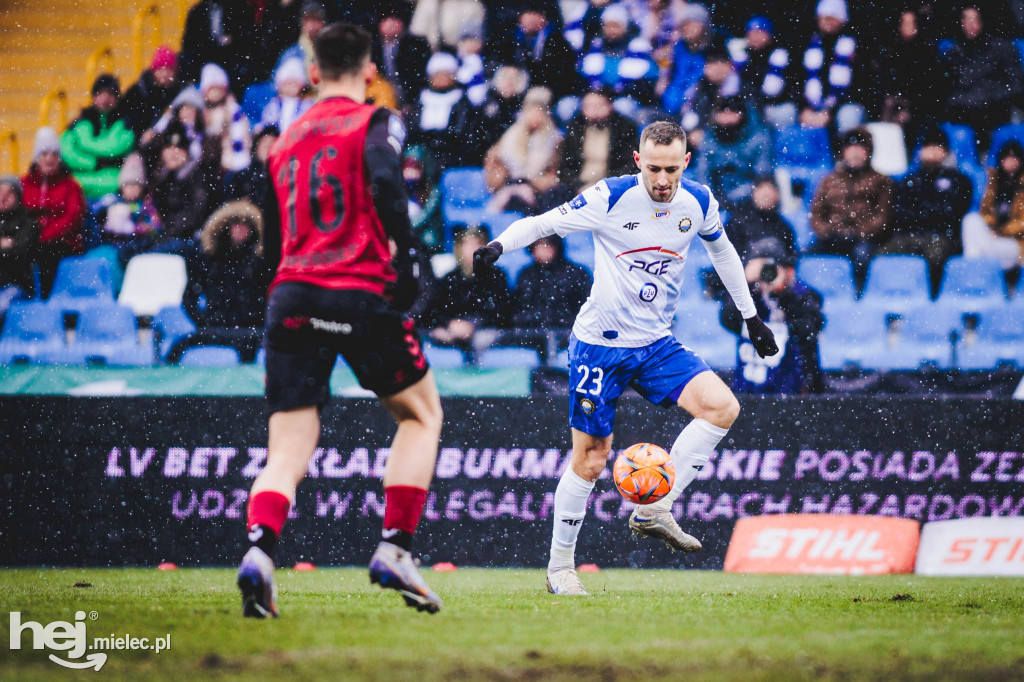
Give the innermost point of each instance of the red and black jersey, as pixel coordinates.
(330, 174)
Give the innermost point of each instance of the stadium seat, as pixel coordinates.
(692, 286)
(32, 330)
(255, 99)
(560, 360)
(498, 222)
(923, 337)
(1000, 136)
(261, 358)
(896, 284)
(172, 324)
(979, 180)
(972, 285)
(513, 263)
(210, 356)
(82, 282)
(106, 334)
(508, 356)
(697, 327)
(963, 143)
(890, 155)
(579, 248)
(463, 197)
(152, 282)
(800, 221)
(443, 358)
(802, 147)
(854, 335)
(999, 340)
(830, 276)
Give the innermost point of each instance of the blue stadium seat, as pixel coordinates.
(945, 45)
(979, 180)
(106, 334)
(508, 356)
(261, 357)
(697, 326)
(800, 221)
(561, 360)
(441, 357)
(513, 263)
(498, 222)
(923, 338)
(173, 324)
(82, 281)
(32, 330)
(256, 97)
(831, 276)
(963, 143)
(999, 340)
(579, 248)
(1000, 136)
(210, 356)
(896, 283)
(463, 197)
(971, 285)
(802, 147)
(693, 282)
(854, 335)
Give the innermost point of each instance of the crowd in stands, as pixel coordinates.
(823, 128)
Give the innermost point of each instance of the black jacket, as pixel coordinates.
(410, 63)
(982, 72)
(620, 154)
(554, 68)
(478, 128)
(482, 300)
(221, 32)
(932, 201)
(549, 295)
(16, 262)
(748, 224)
(182, 199)
(145, 101)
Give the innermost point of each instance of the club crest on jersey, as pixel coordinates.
(648, 292)
(661, 213)
(578, 203)
(588, 405)
(685, 224)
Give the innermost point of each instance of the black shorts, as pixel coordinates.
(308, 326)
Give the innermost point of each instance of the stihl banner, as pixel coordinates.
(988, 546)
(822, 543)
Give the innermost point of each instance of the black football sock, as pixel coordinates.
(397, 537)
(263, 537)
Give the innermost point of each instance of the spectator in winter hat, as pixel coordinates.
(55, 199)
(400, 56)
(718, 79)
(146, 100)
(95, 144)
(828, 62)
(431, 117)
(735, 151)
(291, 100)
(478, 127)
(758, 218)
(622, 64)
(180, 193)
(223, 119)
(687, 58)
(764, 68)
(129, 220)
(471, 72)
(997, 229)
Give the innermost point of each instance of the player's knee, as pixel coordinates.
(722, 412)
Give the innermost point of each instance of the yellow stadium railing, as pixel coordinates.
(148, 15)
(102, 56)
(46, 108)
(9, 142)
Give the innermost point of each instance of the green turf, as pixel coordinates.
(501, 625)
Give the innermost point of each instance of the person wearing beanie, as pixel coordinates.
(129, 220)
(400, 56)
(929, 206)
(95, 144)
(736, 150)
(621, 63)
(604, 143)
(758, 218)
(996, 229)
(223, 120)
(19, 234)
(430, 118)
(718, 79)
(687, 63)
(829, 62)
(851, 207)
(186, 111)
(291, 101)
(180, 192)
(145, 101)
(55, 199)
(764, 68)
(550, 290)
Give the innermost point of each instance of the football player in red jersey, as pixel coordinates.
(336, 210)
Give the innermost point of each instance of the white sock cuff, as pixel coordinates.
(710, 428)
(576, 483)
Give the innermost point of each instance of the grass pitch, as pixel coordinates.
(501, 625)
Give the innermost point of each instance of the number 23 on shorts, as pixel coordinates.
(591, 380)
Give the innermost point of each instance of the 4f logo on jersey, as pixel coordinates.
(657, 267)
(685, 224)
(631, 226)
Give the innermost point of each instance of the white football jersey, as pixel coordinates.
(640, 248)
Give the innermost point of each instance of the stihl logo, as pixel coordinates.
(630, 226)
(986, 550)
(814, 543)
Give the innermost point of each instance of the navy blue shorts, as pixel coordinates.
(599, 374)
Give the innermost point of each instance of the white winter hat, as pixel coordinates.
(212, 76)
(293, 70)
(46, 141)
(442, 62)
(615, 14)
(833, 8)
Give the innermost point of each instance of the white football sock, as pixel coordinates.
(691, 451)
(570, 508)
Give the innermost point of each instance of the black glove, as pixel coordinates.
(761, 336)
(485, 256)
(404, 291)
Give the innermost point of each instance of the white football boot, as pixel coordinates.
(661, 525)
(256, 582)
(565, 581)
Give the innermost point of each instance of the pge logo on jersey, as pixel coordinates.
(72, 638)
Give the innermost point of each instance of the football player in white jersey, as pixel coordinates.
(643, 225)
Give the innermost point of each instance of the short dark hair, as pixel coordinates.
(663, 132)
(341, 49)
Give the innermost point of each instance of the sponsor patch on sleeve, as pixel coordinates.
(578, 203)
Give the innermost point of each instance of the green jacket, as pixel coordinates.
(94, 148)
